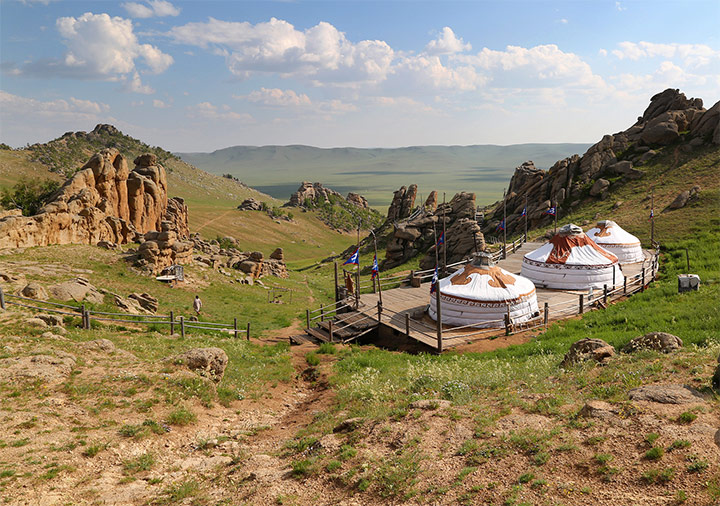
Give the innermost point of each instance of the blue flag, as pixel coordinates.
(433, 283)
(652, 214)
(375, 268)
(353, 258)
(551, 211)
(441, 240)
(524, 212)
(501, 226)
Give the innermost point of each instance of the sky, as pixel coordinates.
(200, 76)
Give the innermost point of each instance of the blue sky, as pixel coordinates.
(199, 76)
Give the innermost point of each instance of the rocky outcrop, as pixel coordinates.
(419, 234)
(588, 349)
(357, 200)
(684, 197)
(658, 341)
(103, 201)
(34, 291)
(205, 361)
(250, 204)
(311, 194)
(403, 203)
(666, 394)
(254, 264)
(162, 249)
(669, 117)
(78, 289)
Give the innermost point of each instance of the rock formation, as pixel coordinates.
(103, 201)
(403, 203)
(588, 349)
(669, 117)
(250, 204)
(412, 236)
(357, 200)
(254, 264)
(311, 193)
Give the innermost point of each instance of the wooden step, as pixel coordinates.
(303, 339)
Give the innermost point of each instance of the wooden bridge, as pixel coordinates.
(404, 308)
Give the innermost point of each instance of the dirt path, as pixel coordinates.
(214, 220)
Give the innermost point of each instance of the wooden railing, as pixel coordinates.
(89, 315)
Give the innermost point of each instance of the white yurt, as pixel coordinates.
(571, 261)
(610, 236)
(480, 294)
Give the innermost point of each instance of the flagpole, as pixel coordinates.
(444, 239)
(504, 225)
(378, 271)
(436, 246)
(556, 213)
(526, 213)
(652, 216)
(357, 275)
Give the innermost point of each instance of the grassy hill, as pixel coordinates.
(376, 173)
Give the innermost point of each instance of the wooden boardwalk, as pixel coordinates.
(413, 302)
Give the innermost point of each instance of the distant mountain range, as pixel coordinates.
(377, 172)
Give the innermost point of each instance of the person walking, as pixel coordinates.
(197, 305)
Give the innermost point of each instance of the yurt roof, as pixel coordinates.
(571, 246)
(610, 233)
(486, 284)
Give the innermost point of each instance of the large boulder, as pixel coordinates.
(599, 187)
(588, 349)
(206, 361)
(78, 289)
(34, 290)
(666, 394)
(250, 204)
(658, 341)
(146, 301)
(357, 200)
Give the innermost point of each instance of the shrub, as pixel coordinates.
(654, 453)
(312, 359)
(686, 418)
(181, 416)
(28, 195)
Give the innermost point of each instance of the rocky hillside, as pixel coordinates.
(671, 123)
(68, 152)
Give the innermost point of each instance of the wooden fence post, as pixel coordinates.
(84, 322)
(330, 330)
(613, 277)
(546, 314)
(307, 318)
(407, 324)
(322, 313)
(379, 309)
(581, 303)
(2, 299)
(336, 282)
(172, 322)
(87, 319)
(247, 331)
(642, 287)
(624, 285)
(605, 291)
(182, 326)
(507, 324)
(235, 327)
(438, 313)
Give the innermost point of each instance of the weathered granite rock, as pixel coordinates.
(311, 193)
(277, 254)
(103, 201)
(684, 197)
(208, 361)
(146, 301)
(34, 290)
(78, 289)
(430, 404)
(588, 349)
(250, 204)
(666, 394)
(402, 203)
(658, 341)
(599, 187)
(358, 200)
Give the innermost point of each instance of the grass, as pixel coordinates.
(143, 462)
(655, 453)
(181, 416)
(686, 417)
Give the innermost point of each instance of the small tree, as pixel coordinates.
(29, 196)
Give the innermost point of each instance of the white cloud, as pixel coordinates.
(694, 55)
(447, 43)
(159, 104)
(278, 98)
(134, 85)
(619, 7)
(603, 52)
(563, 21)
(206, 110)
(73, 108)
(154, 8)
(320, 53)
(535, 67)
(101, 47)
